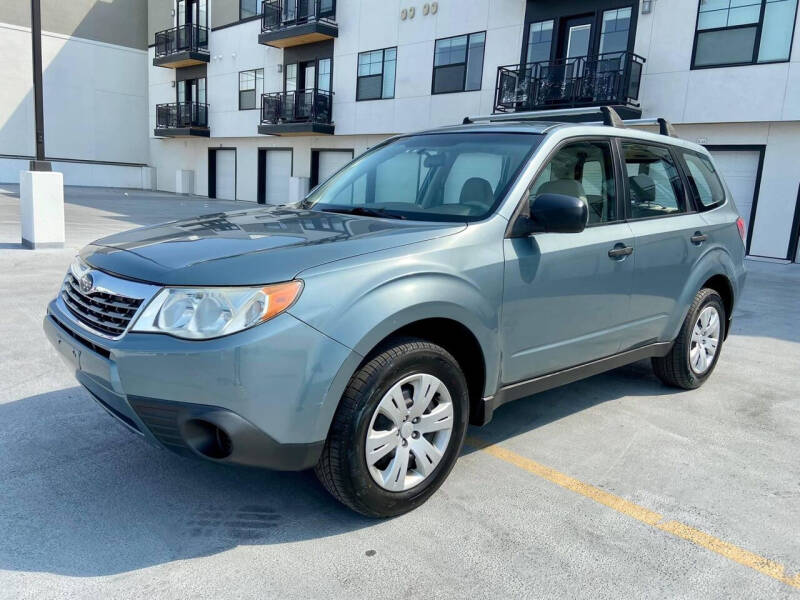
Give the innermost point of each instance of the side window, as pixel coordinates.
(584, 170)
(655, 187)
(703, 180)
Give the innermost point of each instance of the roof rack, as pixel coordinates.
(611, 118)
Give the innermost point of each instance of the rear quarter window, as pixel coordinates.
(703, 181)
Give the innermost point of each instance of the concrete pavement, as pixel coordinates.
(87, 510)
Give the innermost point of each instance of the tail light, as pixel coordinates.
(740, 225)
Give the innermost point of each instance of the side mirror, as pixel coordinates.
(554, 213)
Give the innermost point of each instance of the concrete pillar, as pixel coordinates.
(184, 181)
(298, 188)
(149, 178)
(41, 196)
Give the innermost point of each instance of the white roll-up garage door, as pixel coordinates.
(226, 174)
(331, 161)
(739, 168)
(279, 169)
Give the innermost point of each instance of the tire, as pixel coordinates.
(679, 367)
(369, 407)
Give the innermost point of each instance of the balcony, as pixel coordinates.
(182, 119)
(287, 23)
(181, 46)
(605, 80)
(301, 112)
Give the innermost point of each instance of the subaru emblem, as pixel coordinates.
(87, 283)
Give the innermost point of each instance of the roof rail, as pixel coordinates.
(611, 118)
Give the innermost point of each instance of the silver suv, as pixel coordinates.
(431, 280)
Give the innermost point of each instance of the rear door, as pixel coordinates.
(669, 237)
(566, 294)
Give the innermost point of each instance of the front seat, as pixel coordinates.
(477, 192)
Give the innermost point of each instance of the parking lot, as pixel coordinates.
(612, 487)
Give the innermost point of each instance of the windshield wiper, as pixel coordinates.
(363, 211)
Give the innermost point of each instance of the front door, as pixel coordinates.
(566, 295)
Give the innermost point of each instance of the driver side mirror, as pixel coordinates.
(553, 213)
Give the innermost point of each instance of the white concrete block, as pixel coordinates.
(298, 188)
(184, 181)
(149, 181)
(41, 196)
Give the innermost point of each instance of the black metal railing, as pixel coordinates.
(181, 114)
(279, 14)
(581, 81)
(189, 37)
(311, 105)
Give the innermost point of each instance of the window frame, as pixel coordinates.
(383, 71)
(465, 63)
(258, 15)
(522, 209)
(698, 204)
(255, 88)
(688, 196)
(759, 25)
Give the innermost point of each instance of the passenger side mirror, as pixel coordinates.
(553, 213)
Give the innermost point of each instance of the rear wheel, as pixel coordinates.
(398, 430)
(697, 348)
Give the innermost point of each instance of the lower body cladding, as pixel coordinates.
(263, 397)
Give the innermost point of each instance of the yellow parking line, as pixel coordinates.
(730, 551)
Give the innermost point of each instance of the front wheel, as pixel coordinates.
(697, 348)
(398, 430)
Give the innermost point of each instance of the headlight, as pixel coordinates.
(202, 313)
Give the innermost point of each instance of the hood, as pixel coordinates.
(251, 247)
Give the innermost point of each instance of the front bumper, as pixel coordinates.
(261, 397)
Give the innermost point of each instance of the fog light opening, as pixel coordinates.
(207, 439)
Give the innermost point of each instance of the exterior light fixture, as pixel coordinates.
(647, 7)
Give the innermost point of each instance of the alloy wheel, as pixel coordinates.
(409, 432)
(705, 340)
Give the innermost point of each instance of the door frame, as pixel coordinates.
(314, 172)
(762, 150)
(212, 171)
(261, 170)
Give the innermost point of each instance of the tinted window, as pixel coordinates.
(703, 180)
(430, 177)
(458, 63)
(583, 170)
(654, 185)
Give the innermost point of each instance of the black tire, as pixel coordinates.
(343, 469)
(675, 369)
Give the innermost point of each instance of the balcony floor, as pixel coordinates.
(297, 35)
(186, 58)
(182, 132)
(296, 129)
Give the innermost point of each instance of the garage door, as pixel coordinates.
(279, 169)
(226, 174)
(739, 168)
(331, 161)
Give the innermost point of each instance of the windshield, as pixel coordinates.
(431, 177)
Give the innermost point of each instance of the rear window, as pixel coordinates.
(703, 180)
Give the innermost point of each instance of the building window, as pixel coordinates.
(458, 63)
(743, 32)
(614, 31)
(249, 8)
(540, 41)
(376, 70)
(251, 86)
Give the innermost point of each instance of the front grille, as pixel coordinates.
(104, 312)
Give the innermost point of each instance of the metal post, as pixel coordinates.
(40, 164)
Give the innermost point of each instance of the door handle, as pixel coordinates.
(698, 238)
(620, 251)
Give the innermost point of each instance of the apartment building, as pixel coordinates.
(256, 100)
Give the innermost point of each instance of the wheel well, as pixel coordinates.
(459, 341)
(721, 285)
